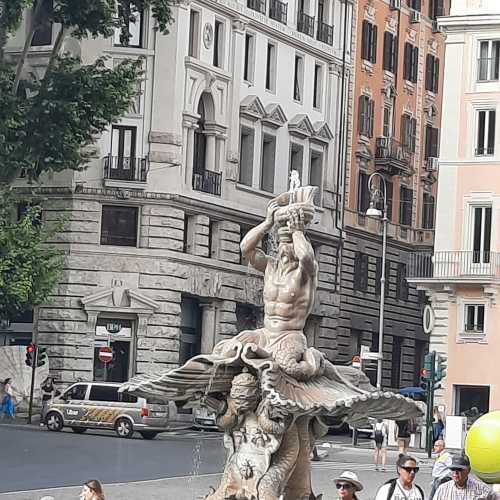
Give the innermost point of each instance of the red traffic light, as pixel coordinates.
(424, 372)
(30, 348)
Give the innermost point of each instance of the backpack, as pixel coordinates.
(392, 487)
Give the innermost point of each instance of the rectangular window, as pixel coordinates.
(191, 328)
(472, 401)
(414, 4)
(271, 67)
(408, 132)
(387, 124)
(316, 174)
(474, 318)
(318, 81)
(428, 209)
(361, 272)
(489, 61)
(369, 42)
(390, 60)
(405, 206)
(123, 164)
(365, 118)
(268, 163)
(119, 225)
(247, 138)
(296, 157)
(481, 235)
(397, 352)
(486, 122)
(43, 34)
(410, 70)
(298, 78)
(132, 36)
(194, 34)
(363, 193)
(431, 142)
(248, 70)
(432, 73)
(436, 8)
(402, 283)
(219, 44)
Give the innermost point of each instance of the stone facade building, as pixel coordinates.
(238, 93)
(397, 113)
(461, 276)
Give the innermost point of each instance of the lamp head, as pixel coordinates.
(373, 211)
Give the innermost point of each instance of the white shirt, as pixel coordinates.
(400, 493)
(440, 468)
(474, 490)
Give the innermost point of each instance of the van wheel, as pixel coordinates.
(78, 430)
(54, 421)
(124, 428)
(148, 434)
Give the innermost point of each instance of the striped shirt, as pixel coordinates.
(474, 490)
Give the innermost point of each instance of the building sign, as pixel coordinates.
(116, 328)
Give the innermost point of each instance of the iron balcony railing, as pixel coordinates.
(455, 265)
(387, 148)
(305, 24)
(485, 151)
(278, 11)
(258, 5)
(125, 168)
(325, 33)
(207, 181)
(488, 69)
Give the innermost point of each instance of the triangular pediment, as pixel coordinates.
(251, 107)
(275, 116)
(301, 126)
(322, 132)
(121, 300)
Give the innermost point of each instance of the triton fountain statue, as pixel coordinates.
(268, 388)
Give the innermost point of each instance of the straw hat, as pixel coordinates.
(349, 477)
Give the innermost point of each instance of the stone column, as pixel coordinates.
(208, 326)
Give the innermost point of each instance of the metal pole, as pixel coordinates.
(382, 299)
(34, 340)
(430, 406)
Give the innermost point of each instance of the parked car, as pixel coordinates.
(336, 425)
(99, 405)
(204, 418)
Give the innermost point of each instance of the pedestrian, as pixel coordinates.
(92, 490)
(403, 435)
(347, 485)
(49, 392)
(7, 407)
(437, 425)
(380, 435)
(440, 471)
(462, 486)
(403, 487)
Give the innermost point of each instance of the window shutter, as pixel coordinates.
(429, 67)
(413, 133)
(371, 109)
(389, 187)
(439, 10)
(407, 62)
(365, 42)
(374, 43)
(434, 142)
(403, 129)
(394, 54)
(386, 62)
(435, 83)
(415, 65)
(362, 114)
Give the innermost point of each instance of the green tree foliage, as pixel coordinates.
(47, 123)
(29, 265)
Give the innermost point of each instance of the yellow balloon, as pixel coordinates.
(482, 446)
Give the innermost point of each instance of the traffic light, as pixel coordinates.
(41, 356)
(441, 366)
(429, 361)
(30, 354)
(424, 381)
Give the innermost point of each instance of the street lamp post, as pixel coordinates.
(377, 194)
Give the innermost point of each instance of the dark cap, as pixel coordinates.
(459, 462)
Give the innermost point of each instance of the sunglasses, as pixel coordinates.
(344, 486)
(411, 469)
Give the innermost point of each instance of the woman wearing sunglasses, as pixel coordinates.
(347, 485)
(403, 487)
(92, 490)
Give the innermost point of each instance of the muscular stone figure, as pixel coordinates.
(290, 281)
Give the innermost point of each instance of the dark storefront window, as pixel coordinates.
(119, 225)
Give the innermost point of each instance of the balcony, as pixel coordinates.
(392, 157)
(207, 181)
(325, 33)
(258, 5)
(485, 151)
(125, 168)
(455, 266)
(278, 11)
(305, 24)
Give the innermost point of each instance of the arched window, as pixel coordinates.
(200, 141)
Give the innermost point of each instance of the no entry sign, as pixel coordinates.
(105, 354)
